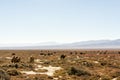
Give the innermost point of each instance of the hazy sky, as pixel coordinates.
(26, 21)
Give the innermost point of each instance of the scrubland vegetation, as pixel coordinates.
(60, 65)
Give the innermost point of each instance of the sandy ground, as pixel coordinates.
(50, 70)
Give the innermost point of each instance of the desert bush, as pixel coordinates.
(13, 72)
(55, 52)
(71, 53)
(118, 52)
(4, 75)
(15, 59)
(105, 52)
(103, 63)
(13, 65)
(62, 56)
(49, 54)
(32, 59)
(78, 72)
(81, 53)
(47, 62)
(61, 72)
(26, 66)
(116, 74)
(18, 65)
(13, 54)
(41, 53)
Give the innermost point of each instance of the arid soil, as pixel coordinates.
(60, 64)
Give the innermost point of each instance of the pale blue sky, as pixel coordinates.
(32, 21)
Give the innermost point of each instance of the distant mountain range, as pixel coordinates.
(76, 45)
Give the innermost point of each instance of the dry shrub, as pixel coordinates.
(13, 72)
(4, 75)
(116, 74)
(32, 59)
(78, 72)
